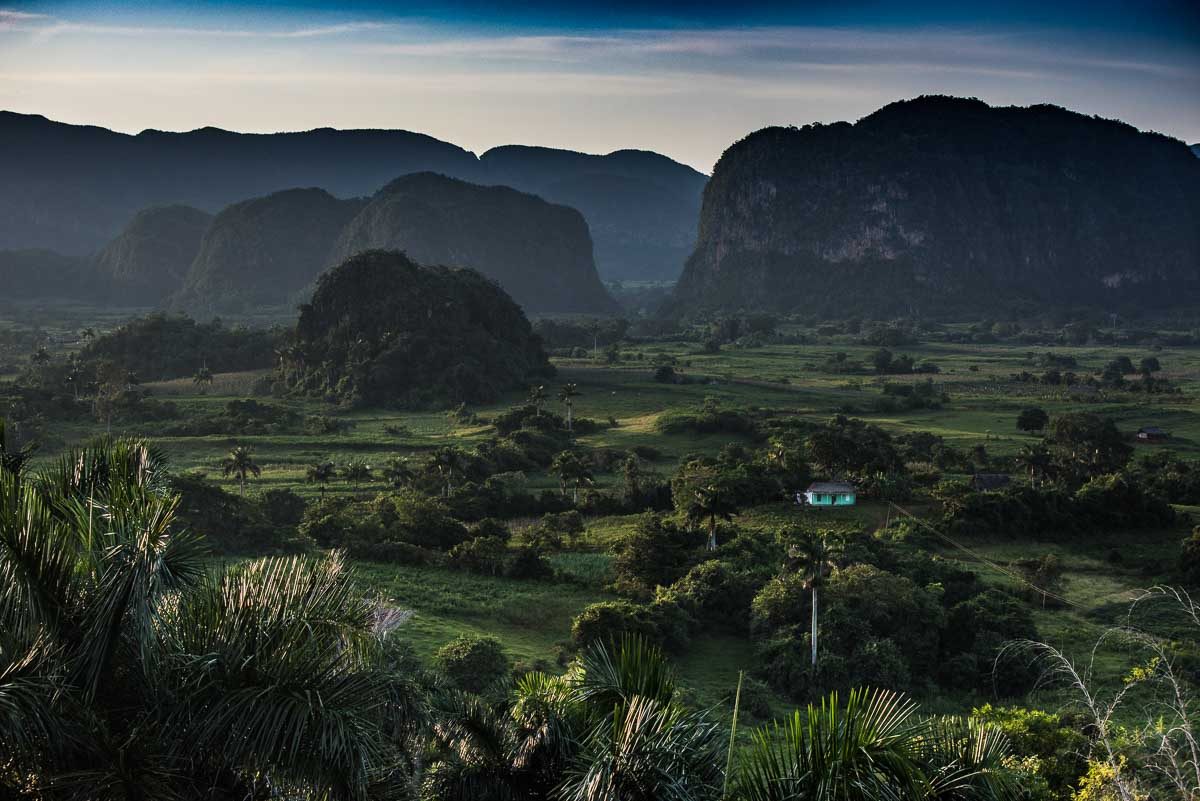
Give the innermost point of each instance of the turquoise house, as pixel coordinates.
(830, 493)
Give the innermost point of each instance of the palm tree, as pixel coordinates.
(811, 554)
(203, 379)
(1036, 460)
(74, 374)
(240, 463)
(130, 670)
(445, 461)
(874, 747)
(536, 399)
(398, 471)
(711, 503)
(567, 394)
(356, 472)
(40, 357)
(321, 473)
(572, 471)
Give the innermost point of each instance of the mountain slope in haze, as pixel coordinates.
(36, 274)
(641, 207)
(72, 188)
(539, 252)
(150, 258)
(261, 252)
(1196, 149)
(941, 203)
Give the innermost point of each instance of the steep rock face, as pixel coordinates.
(539, 252)
(261, 252)
(384, 330)
(148, 261)
(641, 207)
(940, 203)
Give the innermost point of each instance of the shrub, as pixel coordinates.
(529, 563)
(655, 553)
(283, 507)
(485, 555)
(417, 519)
(665, 374)
(608, 621)
(473, 664)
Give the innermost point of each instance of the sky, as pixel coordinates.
(685, 79)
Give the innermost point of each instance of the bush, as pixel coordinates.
(473, 664)
(486, 555)
(655, 553)
(529, 563)
(283, 507)
(714, 592)
(609, 621)
(417, 519)
(711, 419)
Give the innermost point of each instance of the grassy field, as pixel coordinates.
(533, 618)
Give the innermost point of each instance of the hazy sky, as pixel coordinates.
(685, 79)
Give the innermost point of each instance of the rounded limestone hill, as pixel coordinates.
(261, 252)
(382, 330)
(147, 262)
(539, 252)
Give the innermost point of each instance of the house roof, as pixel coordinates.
(1151, 430)
(832, 487)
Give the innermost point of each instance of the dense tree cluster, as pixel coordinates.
(161, 347)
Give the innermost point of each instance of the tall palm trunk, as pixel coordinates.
(814, 627)
(712, 532)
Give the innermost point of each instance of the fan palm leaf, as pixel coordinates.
(647, 750)
(863, 751)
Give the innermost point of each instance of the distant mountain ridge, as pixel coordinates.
(72, 188)
(641, 206)
(945, 203)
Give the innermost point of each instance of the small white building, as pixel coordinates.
(830, 493)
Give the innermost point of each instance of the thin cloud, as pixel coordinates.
(60, 27)
(995, 54)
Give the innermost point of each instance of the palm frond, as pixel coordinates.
(965, 761)
(862, 751)
(608, 675)
(276, 664)
(647, 749)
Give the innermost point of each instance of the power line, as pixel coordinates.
(981, 558)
